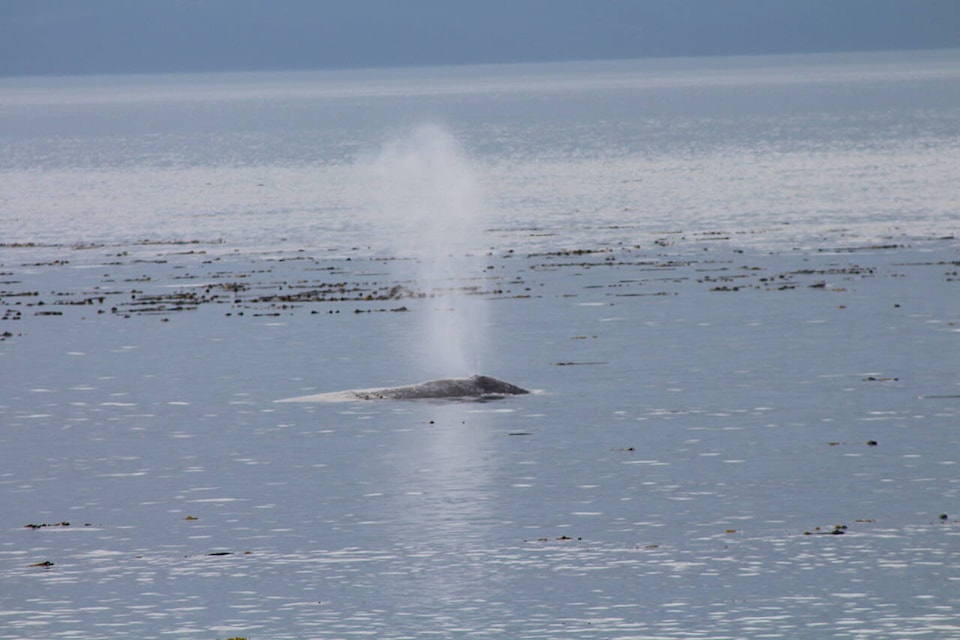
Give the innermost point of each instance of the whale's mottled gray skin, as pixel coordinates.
(473, 387)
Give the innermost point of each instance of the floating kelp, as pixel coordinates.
(44, 525)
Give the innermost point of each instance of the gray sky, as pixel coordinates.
(137, 36)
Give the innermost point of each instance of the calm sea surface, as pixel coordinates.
(791, 146)
(733, 284)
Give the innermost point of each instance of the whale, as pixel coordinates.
(476, 387)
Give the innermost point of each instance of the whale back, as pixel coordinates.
(492, 386)
(472, 387)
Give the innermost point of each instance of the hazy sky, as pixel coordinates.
(121, 36)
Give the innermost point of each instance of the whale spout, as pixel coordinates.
(476, 387)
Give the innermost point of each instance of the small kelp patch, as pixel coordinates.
(45, 525)
(836, 530)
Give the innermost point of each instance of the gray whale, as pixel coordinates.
(474, 387)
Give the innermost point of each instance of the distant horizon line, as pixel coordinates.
(454, 65)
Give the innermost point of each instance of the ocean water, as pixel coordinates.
(732, 285)
(791, 146)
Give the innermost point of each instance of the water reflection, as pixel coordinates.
(439, 503)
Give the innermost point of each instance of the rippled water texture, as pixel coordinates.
(741, 332)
